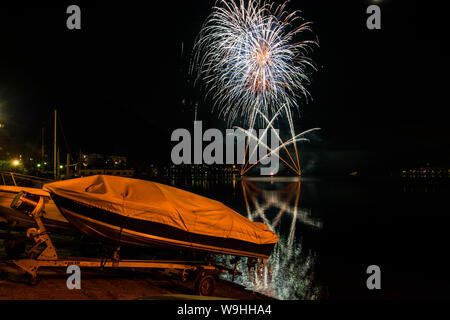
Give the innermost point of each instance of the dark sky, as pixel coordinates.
(118, 82)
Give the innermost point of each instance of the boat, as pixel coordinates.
(126, 211)
(52, 217)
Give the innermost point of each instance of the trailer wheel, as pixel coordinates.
(205, 285)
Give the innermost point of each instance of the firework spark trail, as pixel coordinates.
(274, 151)
(253, 58)
(249, 59)
(270, 126)
(283, 144)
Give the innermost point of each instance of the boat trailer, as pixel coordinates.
(203, 274)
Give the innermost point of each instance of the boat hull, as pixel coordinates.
(118, 229)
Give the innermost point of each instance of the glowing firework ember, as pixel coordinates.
(252, 59)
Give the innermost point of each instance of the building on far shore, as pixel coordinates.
(110, 161)
(427, 171)
(92, 164)
(113, 172)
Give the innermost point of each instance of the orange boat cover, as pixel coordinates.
(160, 203)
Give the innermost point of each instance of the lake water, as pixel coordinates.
(331, 230)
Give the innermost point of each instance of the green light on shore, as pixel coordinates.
(38, 165)
(61, 166)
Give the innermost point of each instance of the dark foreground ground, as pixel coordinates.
(107, 284)
(96, 285)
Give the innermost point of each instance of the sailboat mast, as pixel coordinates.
(43, 150)
(55, 151)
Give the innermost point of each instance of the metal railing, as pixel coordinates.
(22, 180)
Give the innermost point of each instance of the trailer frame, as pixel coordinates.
(43, 254)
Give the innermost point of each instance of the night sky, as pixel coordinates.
(119, 82)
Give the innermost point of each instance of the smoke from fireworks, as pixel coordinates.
(252, 58)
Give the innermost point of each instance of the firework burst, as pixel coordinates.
(252, 59)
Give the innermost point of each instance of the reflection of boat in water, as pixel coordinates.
(52, 218)
(143, 213)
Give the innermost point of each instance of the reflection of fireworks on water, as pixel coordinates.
(253, 59)
(288, 273)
